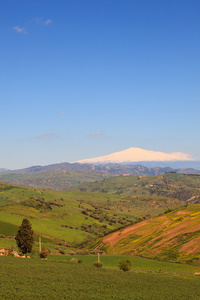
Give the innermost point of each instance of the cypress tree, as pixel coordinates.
(24, 237)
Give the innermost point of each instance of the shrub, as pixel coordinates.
(44, 252)
(74, 260)
(97, 264)
(167, 211)
(80, 261)
(125, 265)
(62, 251)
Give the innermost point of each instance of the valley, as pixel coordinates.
(139, 210)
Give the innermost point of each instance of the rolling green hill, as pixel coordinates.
(73, 217)
(68, 219)
(173, 185)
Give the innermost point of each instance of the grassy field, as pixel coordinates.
(58, 214)
(139, 264)
(51, 279)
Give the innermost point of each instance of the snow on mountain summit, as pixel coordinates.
(138, 155)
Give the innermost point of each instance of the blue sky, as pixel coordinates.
(80, 79)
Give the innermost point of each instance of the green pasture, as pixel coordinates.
(8, 229)
(138, 264)
(51, 279)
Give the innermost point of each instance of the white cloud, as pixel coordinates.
(39, 21)
(47, 22)
(96, 134)
(19, 29)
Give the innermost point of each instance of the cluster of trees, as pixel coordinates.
(40, 203)
(98, 215)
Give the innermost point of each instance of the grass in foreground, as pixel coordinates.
(36, 279)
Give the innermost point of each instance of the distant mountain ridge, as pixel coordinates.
(146, 168)
(3, 170)
(65, 175)
(58, 166)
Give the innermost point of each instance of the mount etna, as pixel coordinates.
(148, 158)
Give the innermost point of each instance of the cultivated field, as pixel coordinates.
(51, 279)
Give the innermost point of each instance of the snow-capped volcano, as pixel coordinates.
(138, 155)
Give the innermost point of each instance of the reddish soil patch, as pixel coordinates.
(139, 228)
(183, 212)
(192, 247)
(184, 227)
(115, 237)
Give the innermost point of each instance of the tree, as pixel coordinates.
(24, 237)
(125, 265)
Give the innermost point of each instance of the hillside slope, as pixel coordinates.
(72, 217)
(174, 236)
